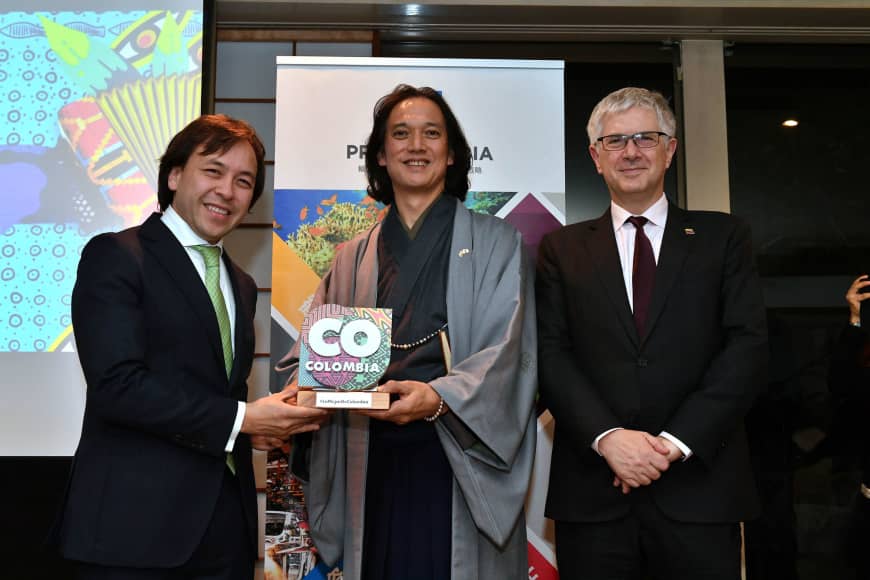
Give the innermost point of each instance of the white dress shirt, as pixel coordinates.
(187, 238)
(657, 217)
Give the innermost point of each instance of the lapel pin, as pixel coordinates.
(689, 231)
(464, 252)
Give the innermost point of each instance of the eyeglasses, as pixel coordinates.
(644, 140)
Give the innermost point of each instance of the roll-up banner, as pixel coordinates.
(512, 113)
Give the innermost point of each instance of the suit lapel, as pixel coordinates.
(244, 311)
(601, 245)
(460, 279)
(171, 255)
(676, 244)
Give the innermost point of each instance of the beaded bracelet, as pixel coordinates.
(437, 413)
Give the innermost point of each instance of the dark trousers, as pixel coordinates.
(646, 544)
(223, 554)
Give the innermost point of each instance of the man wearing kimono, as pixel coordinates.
(434, 486)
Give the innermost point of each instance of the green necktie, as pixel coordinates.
(212, 257)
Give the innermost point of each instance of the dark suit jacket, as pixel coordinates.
(159, 409)
(694, 374)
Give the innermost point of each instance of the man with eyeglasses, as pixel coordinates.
(652, 347)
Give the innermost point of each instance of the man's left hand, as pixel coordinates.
(265, 443)
(674, 453)
(416, 401)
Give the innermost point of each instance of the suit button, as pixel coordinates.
(641, 362)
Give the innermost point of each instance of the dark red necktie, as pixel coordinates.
(643, 273)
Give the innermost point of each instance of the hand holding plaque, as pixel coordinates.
(343, 353)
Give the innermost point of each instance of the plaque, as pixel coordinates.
(344, 351)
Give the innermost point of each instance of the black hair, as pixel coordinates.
(380, 185)
(212, 133)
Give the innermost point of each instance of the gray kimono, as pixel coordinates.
(489, 435)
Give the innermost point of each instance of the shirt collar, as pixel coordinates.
(657, 213)
(182, 230)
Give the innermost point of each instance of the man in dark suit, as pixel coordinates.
(162, 484)
(652, 346)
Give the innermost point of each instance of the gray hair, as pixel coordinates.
(628, 98)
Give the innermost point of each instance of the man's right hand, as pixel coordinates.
(277, 416)
(636, 457)
(854, 297)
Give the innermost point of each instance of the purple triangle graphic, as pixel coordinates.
(533, 220)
